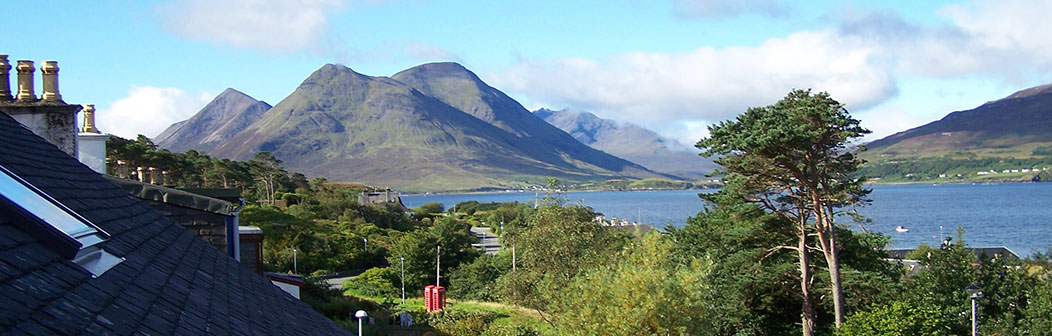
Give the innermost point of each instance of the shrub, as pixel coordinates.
(377, 282)
(898, 318)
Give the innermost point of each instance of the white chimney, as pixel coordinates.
(91, 144)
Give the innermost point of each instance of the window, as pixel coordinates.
(63, 230)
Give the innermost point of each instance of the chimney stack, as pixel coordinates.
(5, 79)
(89, 119)
(49, 71)
(91, 144)
(25, 81)
(47, 116)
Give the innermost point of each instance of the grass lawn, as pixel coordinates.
(504, 314)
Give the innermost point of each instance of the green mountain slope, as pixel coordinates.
(1011, 127)
(418, 137)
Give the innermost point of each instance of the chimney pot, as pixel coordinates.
(122, 169)
(89, 119)
(5, 78)
(49, 71)
(25, 81)
(155, 178)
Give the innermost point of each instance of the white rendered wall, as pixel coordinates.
(91, 150)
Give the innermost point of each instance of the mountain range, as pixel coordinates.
(631, 142)
(434, 127)
(1010, 127)
(438, 127)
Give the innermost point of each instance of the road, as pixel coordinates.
(487, 240)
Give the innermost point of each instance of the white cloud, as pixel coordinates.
(148, 111)
(269, 25)
(705, 84)
(723, 8)
(1008, 40)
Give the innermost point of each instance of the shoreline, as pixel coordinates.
(443, 193)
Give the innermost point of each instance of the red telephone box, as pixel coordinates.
(427, 296)
(434, 298)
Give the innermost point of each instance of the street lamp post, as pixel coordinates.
(403, 279)
(360, 315)
(295, 268)
(975, 294)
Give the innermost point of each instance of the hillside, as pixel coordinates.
(229, 113)
(1009, 139)
(433, 127)
(631, 142)
(1010, 127)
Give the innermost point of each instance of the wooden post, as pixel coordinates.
(438, 263)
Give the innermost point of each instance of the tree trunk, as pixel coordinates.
(807, 309)
(826, 234)
(833, 259)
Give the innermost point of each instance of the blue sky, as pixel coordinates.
(674, 66)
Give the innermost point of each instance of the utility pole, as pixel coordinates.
(438, 263)
(403, 278)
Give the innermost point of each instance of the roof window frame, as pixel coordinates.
(55, 225)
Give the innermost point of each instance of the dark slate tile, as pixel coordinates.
(27, 258)
(134, 298)
(118, 319)
(95, 329)
(64, 317)
(31, 327)
(7, 271)
(13, 312)
(66, 272)
(37, 286)
(189, 329)
(11, 237)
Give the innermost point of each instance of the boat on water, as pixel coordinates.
(901, 229)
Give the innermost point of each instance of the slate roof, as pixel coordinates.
(171, 283)
(977, 251)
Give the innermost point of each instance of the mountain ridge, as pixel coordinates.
(629, 141)
(1007, 126)
(419, 130)
(226, 115)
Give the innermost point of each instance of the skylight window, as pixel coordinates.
(54, 224)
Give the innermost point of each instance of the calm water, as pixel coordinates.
(1016, 215)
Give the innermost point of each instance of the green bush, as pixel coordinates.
(458, 322)
(507, 329)
(898, 319)
(376, 282)
(330, 302)
(478, 280)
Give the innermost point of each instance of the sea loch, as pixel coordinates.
(1015, 215)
